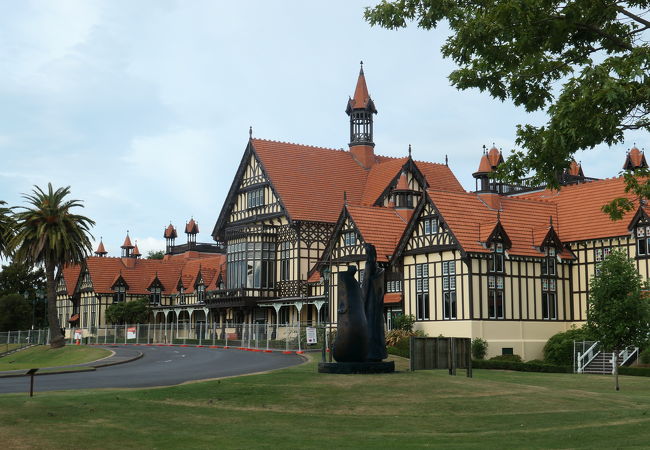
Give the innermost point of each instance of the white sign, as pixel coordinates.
(77, 335)
(130, 333)
(311, 335)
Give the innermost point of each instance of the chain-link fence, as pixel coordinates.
(15, 340)
(273, 337)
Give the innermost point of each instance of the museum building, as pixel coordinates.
(510, 263)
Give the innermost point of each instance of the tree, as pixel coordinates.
(618, 313)
(584, 62)
(15, 312)
(155, 254)
(6, 228)
(48, 233)
(17, 278)
(136, 311)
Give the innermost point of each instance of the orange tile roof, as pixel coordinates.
(392, 298)
(471, 220)
(314, 277)
(105, 271)
(311, 180)
(379, 226)
(495, 157)
(71, 277)
(579, 208)
(136, 250)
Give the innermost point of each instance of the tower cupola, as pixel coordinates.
(635, 160)
(361, 108)
(127, 247)
(101, 251)
(170, 237)
(489, 163)
(191, 230)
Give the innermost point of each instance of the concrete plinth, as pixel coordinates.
(357, 367)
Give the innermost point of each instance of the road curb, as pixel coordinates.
(227, 347)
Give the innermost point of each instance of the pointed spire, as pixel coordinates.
(635, 159)
(191, 227)
(136, 251)
(127, 241)
(361, 98)
(170, 232)
(101, 251)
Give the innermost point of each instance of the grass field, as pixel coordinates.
(44, 356)
(298, 408)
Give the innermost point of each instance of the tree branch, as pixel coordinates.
(633, 16)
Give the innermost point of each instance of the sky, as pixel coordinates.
(143, 108)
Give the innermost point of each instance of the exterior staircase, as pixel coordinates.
(595, 361)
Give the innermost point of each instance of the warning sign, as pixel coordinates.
(130, 333)
(311, 335)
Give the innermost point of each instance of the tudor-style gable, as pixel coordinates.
(251, 197)
(347, 240)
(405, 188)
(427, 232)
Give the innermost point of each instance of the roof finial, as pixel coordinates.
(446, 160)
(484, 149)
(361, 70)
(345, 198)
(498, 215)
(409, 150)
(250, 132)
(550, 221)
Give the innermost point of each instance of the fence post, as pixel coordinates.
(200, 333)
(299, 349)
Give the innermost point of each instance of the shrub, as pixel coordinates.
(400, 348)
(404, 322)
(513, 358)
(396, 335)
(479, 348)
(634, 371)
(559, 348)
(519, 366)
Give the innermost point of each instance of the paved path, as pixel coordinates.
(160, 366)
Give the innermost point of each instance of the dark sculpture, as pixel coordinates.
(360, 332)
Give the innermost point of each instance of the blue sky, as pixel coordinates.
(143, 107)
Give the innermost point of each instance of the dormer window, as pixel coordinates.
(496, 260)
(255, 198)
(404, 200)
(155, 295)
(549, 262)
(120, 294)
(200, 293)
(181, 295)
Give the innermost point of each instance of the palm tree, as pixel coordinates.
(48, 233)
(6, 229)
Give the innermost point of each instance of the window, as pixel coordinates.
(120, 294)
(154, 296)
(361, 272)
(404, 200)
(549, 262)
(549, 299)
(495, 283)
(200, 293)
(285, 262)
(181, 295)
(430, 226)
(422, 291)
(601, 253)
(496, 261)
(255, 198)
(394, 281)
(349, 238)
(449, 289)
(251, 265)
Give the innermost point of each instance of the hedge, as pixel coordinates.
(634, 371)
(520, 366)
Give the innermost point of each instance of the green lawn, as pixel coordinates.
(298, 408)
(44, 356)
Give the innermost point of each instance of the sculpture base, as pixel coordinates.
(357, 367)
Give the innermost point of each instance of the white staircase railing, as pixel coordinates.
(625, 355)
(584, 358)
